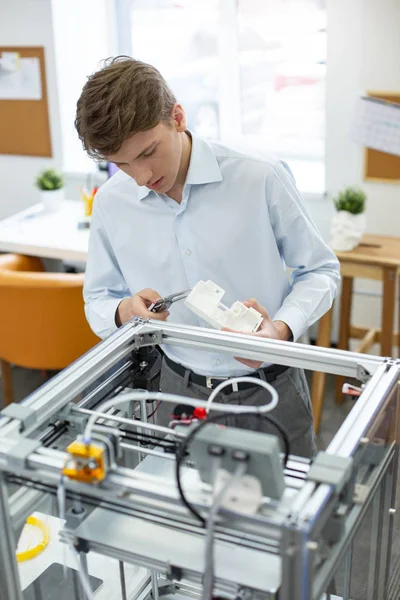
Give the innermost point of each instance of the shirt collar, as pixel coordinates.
(203, 166)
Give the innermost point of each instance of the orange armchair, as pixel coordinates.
(42, 321)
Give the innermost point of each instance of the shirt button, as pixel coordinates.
(188, 252)
(218, 362)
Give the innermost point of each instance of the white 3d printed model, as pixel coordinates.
(204, 300)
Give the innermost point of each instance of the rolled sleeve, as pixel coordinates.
(104, 286)
(294, 318)
(101, 316)
(315, 269)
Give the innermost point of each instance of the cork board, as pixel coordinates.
(380, 166)
(24, 124)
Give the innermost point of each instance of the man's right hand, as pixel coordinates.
(138, 306)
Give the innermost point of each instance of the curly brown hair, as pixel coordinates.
(124, 97)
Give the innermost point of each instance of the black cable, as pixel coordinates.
(148, 440)
(155, 410)
(183, 448)
(145, 437)
(52, 432)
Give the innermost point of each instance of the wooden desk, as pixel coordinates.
(376, 257)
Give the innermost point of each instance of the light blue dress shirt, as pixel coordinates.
(240, 223)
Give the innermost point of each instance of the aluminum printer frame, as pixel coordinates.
(292, 547)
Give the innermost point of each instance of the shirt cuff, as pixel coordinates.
(102, 320)
(294, 318)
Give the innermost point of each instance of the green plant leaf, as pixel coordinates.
(352, 199)
(49, 179)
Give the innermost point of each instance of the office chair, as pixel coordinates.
(42, 320)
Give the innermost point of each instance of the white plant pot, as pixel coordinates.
(347, 230)
(51, 199)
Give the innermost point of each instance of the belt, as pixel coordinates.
(271, 373)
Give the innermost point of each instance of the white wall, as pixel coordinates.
(91, 23)
(28, 23)
(363, 54)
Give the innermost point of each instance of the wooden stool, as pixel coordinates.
(376, 257)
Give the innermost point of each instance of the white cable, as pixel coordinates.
(61, 514)
(81, 574)
(208, 580)
(235, 380)
(175, 398)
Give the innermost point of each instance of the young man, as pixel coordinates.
(182, 210)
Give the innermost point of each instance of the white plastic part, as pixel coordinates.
(205, 301)
(352, 390)
(244, 495)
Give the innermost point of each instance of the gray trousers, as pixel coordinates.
(293, 410)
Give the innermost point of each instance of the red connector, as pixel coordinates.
(200, 413)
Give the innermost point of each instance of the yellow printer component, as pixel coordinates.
(87, 464)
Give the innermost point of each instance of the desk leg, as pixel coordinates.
(388, 308)
(344, 331)
(6, 376)
(398, 319)
(318, 379)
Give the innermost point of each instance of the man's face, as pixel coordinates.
(152, 158)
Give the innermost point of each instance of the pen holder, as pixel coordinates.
(88, 204)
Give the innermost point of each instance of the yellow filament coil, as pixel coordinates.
(32, 552)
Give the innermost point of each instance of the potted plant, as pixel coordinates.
(50, 183)
(349, 222)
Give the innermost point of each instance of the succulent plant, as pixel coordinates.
(351, 199)
(49, 179)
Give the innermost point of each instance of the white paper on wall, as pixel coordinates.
(377, 125)
(9, 61)
(21, 83)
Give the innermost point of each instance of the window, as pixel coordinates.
(282, 83)
(283, 78)
(181, 40)
(250, 73)
(83, 37)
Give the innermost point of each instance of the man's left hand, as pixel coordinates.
(274, 330)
